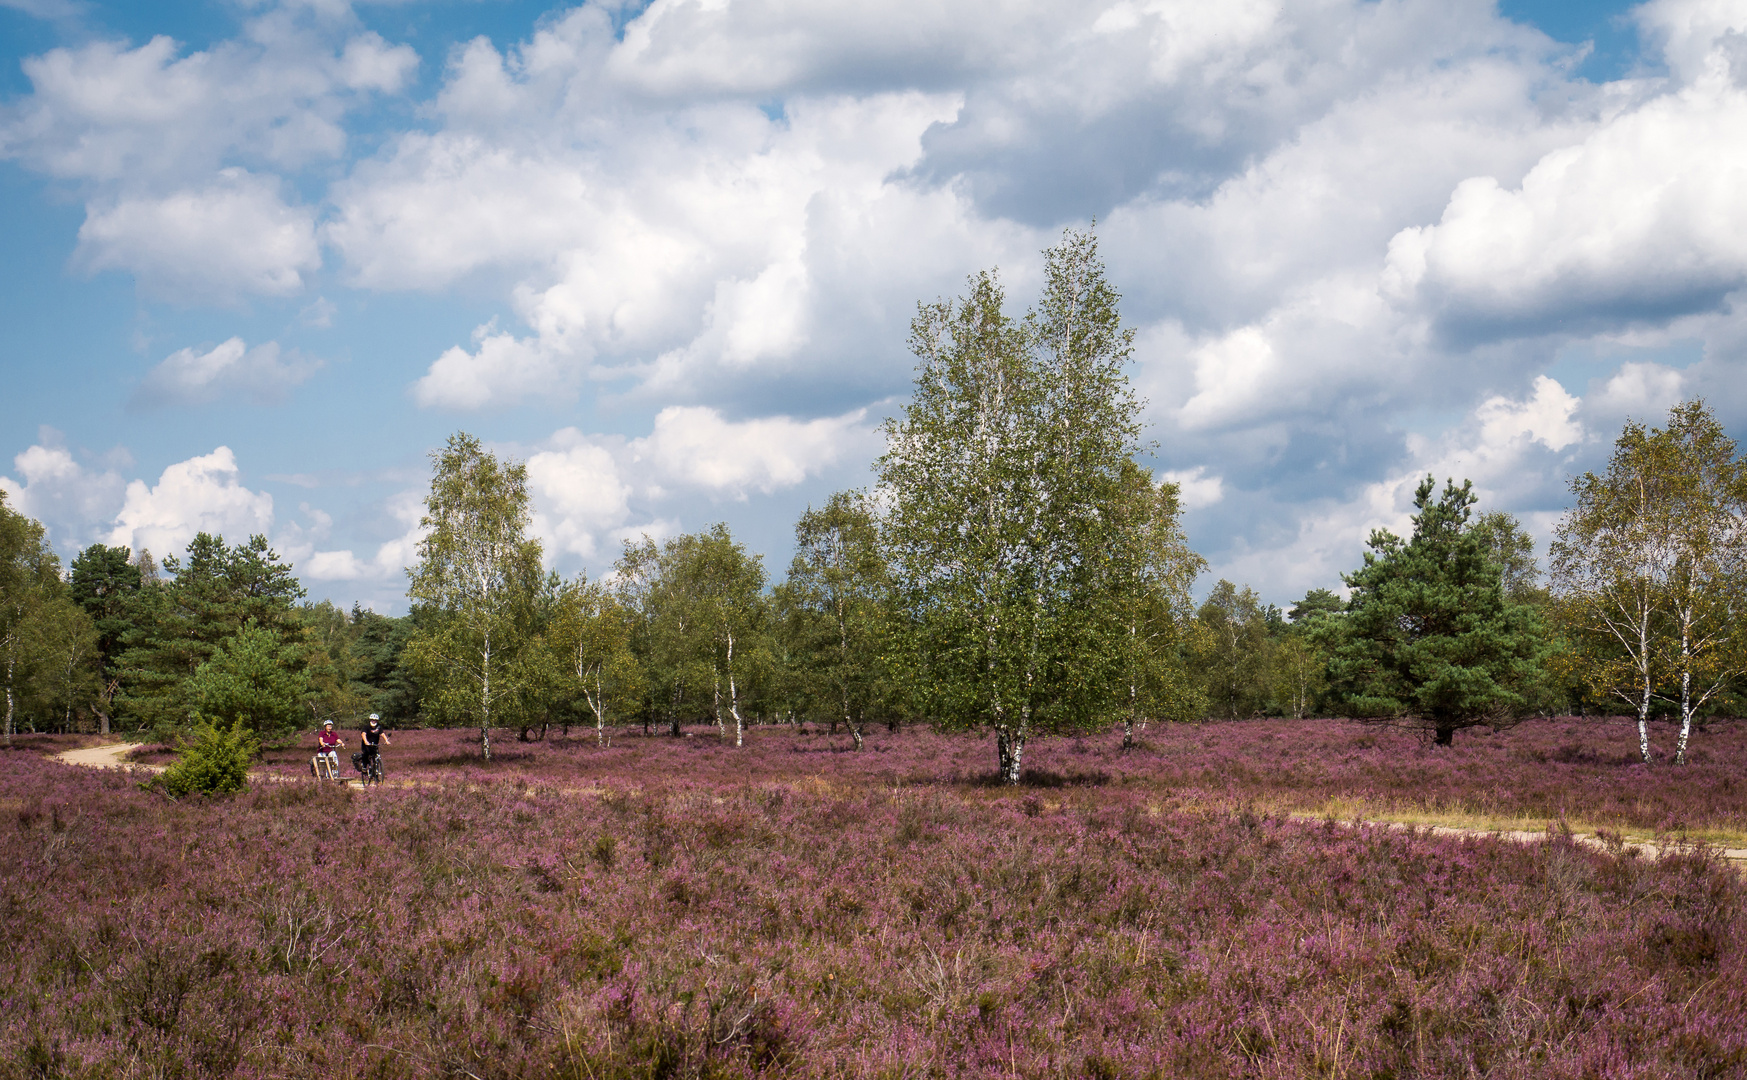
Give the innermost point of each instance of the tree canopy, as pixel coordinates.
(1429, 634)
(477, 574)
(1004, 481)
(1649, 569)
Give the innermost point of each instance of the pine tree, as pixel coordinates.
(253, 678)
(105, 583)
(1429, 634)
(379, 674)
(175, 626)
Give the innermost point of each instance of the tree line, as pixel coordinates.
(117, 642)
(1012, 569)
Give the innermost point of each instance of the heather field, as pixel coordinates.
(676, 908)
(1585, 771)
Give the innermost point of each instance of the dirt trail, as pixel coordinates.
(1736, 856)
(112, 756)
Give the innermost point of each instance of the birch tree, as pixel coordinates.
(1648, 569)
(63, 647)
(1002, 478)
(662, 629)
(1708, 497)
(838, 591)
(728, 584)
(702, 625)
(1151, 604)
(29, 576)
(595, 630)
(477, 572)
(1234, 650)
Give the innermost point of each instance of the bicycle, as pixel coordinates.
(369, 770)
(323, 767)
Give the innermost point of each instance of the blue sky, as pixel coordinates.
(263, 257)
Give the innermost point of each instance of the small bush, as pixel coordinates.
(215, 762)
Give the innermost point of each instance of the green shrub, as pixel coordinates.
(214, 762)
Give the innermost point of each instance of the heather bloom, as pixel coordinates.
(674, 907)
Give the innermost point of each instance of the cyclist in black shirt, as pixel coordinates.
(372, 738)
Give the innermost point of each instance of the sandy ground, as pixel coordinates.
(1737, 857)
(112, 756)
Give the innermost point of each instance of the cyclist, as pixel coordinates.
(372, 738)
(328, 746)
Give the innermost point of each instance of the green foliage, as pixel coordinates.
(61, 659)
(1296, 673)
(701, 628)
(1510, 546)
(1318, 604)
(330, 661)
(1650, 570)
(594, 631)
(215, 762)
(836, 613)
(376, 666)
(47, 644)
(1234, 651)
(1151, 571)
(1430, 634)
(478, 573)
(543, 672)
(254, 679)
(176, 625)
(105, 582)
(1004, 480)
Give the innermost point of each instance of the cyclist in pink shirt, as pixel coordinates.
(328, 743)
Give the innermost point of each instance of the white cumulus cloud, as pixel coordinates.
(188, 377)
(70, 498)
(201, 494)
(1195, 488)
(695, 446)
(230, 238)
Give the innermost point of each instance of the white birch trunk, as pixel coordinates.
(1644, 697)
(1686, 705)
(716, 705)
(734, 698)
(485, 699)
(1644, 723)
(11, 666)
(1010, 746)
(597, 705)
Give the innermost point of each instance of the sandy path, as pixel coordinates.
(1737, 857)
(112, 756)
